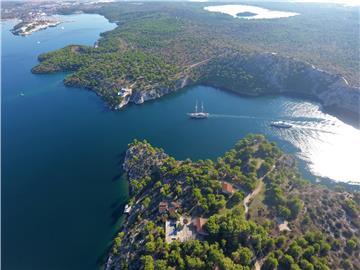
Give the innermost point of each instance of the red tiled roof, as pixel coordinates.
(199, 223)
(226, 187)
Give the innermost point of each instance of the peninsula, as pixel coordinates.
(159, 48)
(249, 209)
(32, 16)
(28, 27)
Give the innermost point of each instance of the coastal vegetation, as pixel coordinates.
(158, 48)
(191, 215)
(107, 72)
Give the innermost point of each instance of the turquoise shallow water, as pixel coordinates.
(62, 149)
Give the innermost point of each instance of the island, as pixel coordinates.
(246, 14)
(159, 48)
(249, 209)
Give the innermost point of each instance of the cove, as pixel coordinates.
(62, 191)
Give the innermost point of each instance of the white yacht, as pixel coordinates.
(281, 124)
(198, 115)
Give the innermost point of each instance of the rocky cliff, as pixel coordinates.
(269, 73)
(142, 160)
(139, 96)
(286, 75)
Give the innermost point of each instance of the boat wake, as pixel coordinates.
(315, 129)
(235, 116)
(296, 125)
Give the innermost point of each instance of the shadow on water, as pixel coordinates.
(117, 177)
(117, 212)
(119, 205)
(116, 215)
(119, 163)
(102, 258)
(120, 159)
(115, 204)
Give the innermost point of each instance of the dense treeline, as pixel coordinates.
(229, 73)
(200, 183)
(336, 49)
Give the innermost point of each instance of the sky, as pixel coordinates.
(345, 2)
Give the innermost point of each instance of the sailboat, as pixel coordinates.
(198, 115)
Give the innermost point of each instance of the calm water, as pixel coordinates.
(61, 190)
(260, 13)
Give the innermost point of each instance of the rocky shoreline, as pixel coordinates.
(139, 96)
(332, 91)
(141, 160)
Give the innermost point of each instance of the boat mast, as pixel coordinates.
(196, 107)
(202, 106)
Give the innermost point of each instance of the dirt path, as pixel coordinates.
(184, 82)
(251, 195)
(257, 189)
(189, 67)
(199, 63)
(259, 186)
(257, 265)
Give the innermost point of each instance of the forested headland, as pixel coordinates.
(249, 208)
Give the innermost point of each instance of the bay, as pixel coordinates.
(62, 191)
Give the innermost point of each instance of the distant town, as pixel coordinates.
(36, 16)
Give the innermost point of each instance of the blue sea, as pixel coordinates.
(62, 149)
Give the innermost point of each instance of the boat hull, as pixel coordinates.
(281, 125)
(198, 115)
